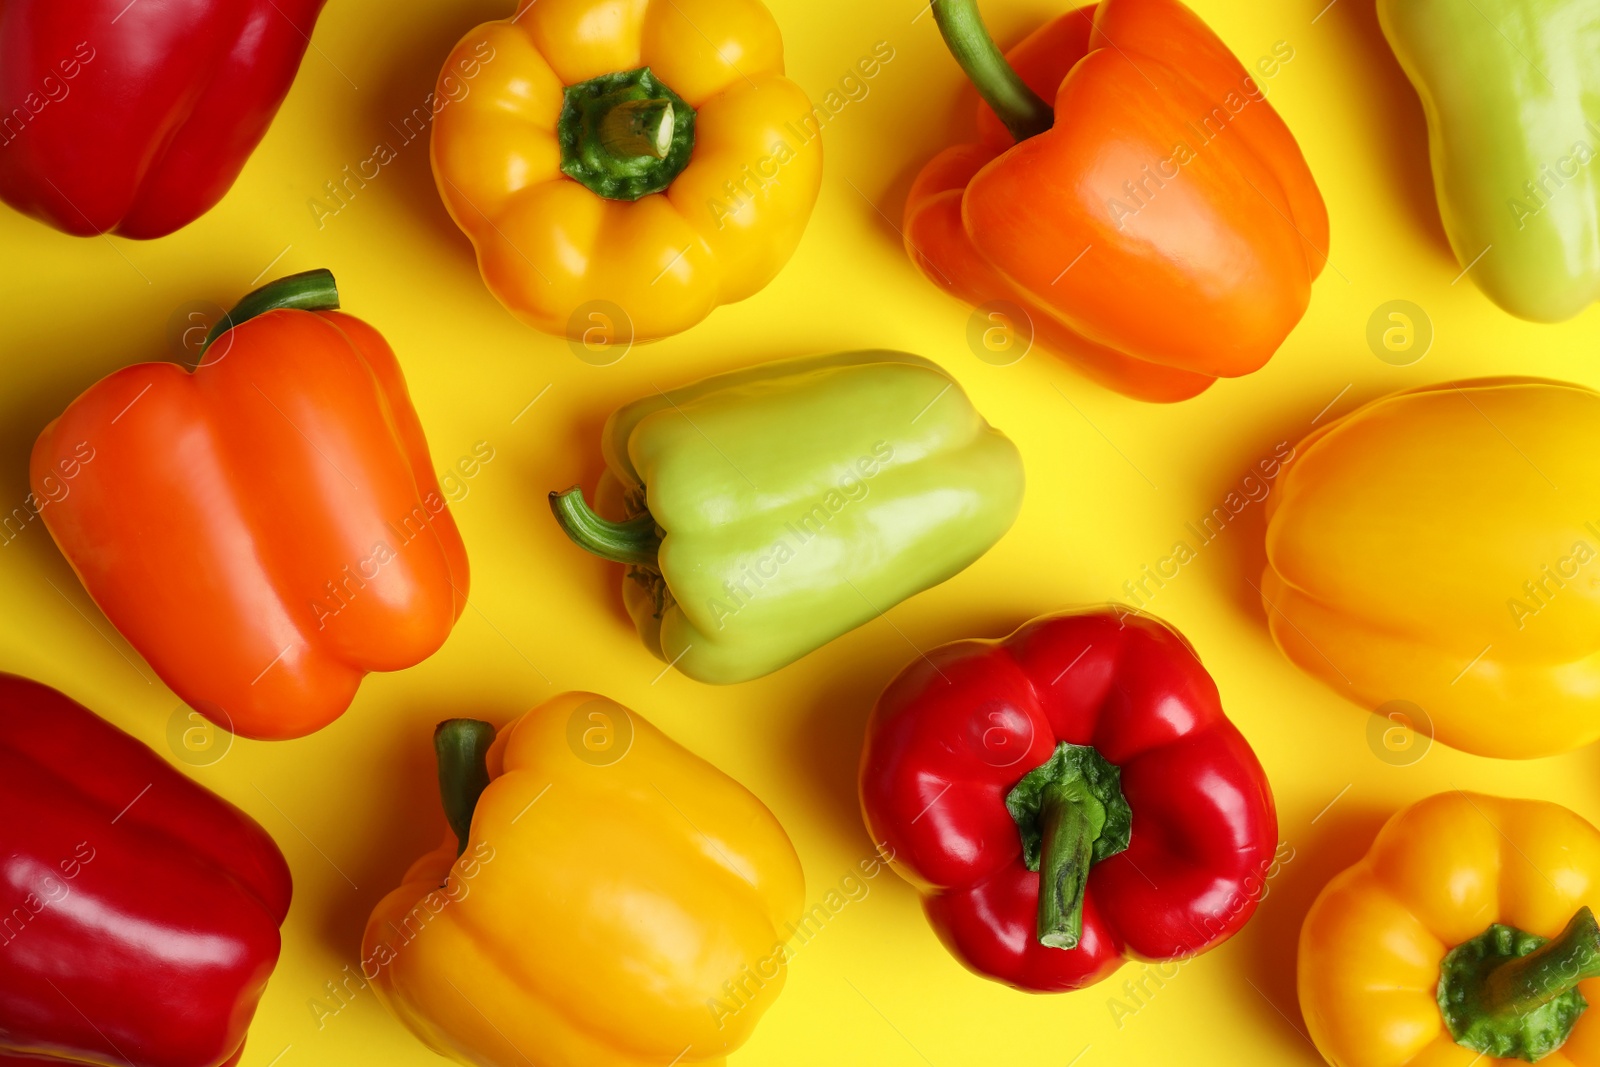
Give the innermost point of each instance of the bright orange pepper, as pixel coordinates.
(266, 529)
(1161, 228)
(1414, 913)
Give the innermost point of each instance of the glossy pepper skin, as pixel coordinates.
(1376, 944)
(601, 886)
(1163, 166)
(736, 185)
(141, 912)
(1507, 86)
(955, 733)
(267, 528)
(1418, 550)
(136, 119)
(773, 509)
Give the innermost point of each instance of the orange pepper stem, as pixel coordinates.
(1024, 112)
(462, 749)
(1511, 994)
(635, 541)
(312, 290)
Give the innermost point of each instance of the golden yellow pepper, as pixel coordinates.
(1441, 547)
(607, 899)
(1432, 951)
(625, 166)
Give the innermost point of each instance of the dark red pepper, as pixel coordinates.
(139, 913)
(1069, 730)
(135, 118)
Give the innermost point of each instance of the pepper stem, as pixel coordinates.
(462, 748)
(1511, 994)
(1070, 820)
(1024, 112)
(638, 128)
(312, 290)
(634, 541)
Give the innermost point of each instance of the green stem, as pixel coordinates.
(1511, 994)
(1518, 986)
(462, 748)
(638, 128)
(1070, 820)
(635, 541)
(313, 290)
(1023, 111)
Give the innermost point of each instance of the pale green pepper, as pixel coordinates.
(770, 510)
(1512, 93)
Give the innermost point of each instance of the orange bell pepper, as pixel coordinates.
(1159, 227)
(266, 529)
(1465, 938)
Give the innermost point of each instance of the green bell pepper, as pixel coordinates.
(1509, 87)
(770, 510)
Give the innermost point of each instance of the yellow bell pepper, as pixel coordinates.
(1442, 547)
(625, 166)
(1432, 951)
(607, 899)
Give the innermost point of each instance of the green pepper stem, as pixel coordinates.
(1070, 820)
(634, 541)
(1520, 985)
(1024, 112)
(462, 748)
(638, 128)
(313, 290)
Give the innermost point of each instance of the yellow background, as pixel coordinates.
(1111, 485)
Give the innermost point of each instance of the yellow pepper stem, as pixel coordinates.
(638, 128)
(1507, 993)
(462, 748)
(624, 135)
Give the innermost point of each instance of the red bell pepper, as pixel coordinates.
(135, 118)
(139, 913)
(268, 528)
(1086, 752)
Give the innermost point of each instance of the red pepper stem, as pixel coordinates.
(312, 290)
(1070, 820)
(462, 748)
(1518, 986)
(1024, 112)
